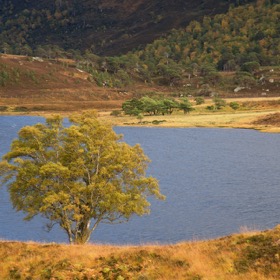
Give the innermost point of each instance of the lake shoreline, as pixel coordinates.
(236, 120)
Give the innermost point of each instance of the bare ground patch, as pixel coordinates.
(271, 119)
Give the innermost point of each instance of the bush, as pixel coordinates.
(116, 113)
(199, 100)
(210, 107)
(205, 90)
(4, 78)
(3, 108)
(243, 78)
(234, 105)
(219, 103)
(250, 67)
(140, 117)
(21, 109)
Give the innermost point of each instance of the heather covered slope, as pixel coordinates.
(246, 256)
(27, 84)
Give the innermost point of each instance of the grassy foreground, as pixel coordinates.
(251, 255)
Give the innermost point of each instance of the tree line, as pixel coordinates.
(155, 106)
(166, 106)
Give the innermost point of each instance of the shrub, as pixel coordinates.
(199, 100)
(116, 113)
(210, 107)
(234, 105)
(140, 117)
(21, 109)
(219, 103)
(3, 108)
(251, 66)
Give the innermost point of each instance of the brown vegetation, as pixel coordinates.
(243, 256)
(271, 119)
(52, 86)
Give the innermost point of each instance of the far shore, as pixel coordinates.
(226, 118)
(241, 120)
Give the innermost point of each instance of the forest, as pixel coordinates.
(239, 41)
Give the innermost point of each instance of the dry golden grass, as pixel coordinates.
(241, 256)
(246, 117)
(226, 120)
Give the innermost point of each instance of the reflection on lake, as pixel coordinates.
(215, 181)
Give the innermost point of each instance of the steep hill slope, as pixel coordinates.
(105, 26)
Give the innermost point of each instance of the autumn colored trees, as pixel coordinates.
(155, 106)
(242, 40)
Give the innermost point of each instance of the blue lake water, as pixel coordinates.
(215, 181)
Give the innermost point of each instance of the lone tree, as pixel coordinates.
(77, 176)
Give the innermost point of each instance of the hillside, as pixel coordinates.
(231, 55)
(106, 27)
(245, 256)
(239, 41)
(28, 83)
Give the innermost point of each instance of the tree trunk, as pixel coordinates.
(83, 233)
